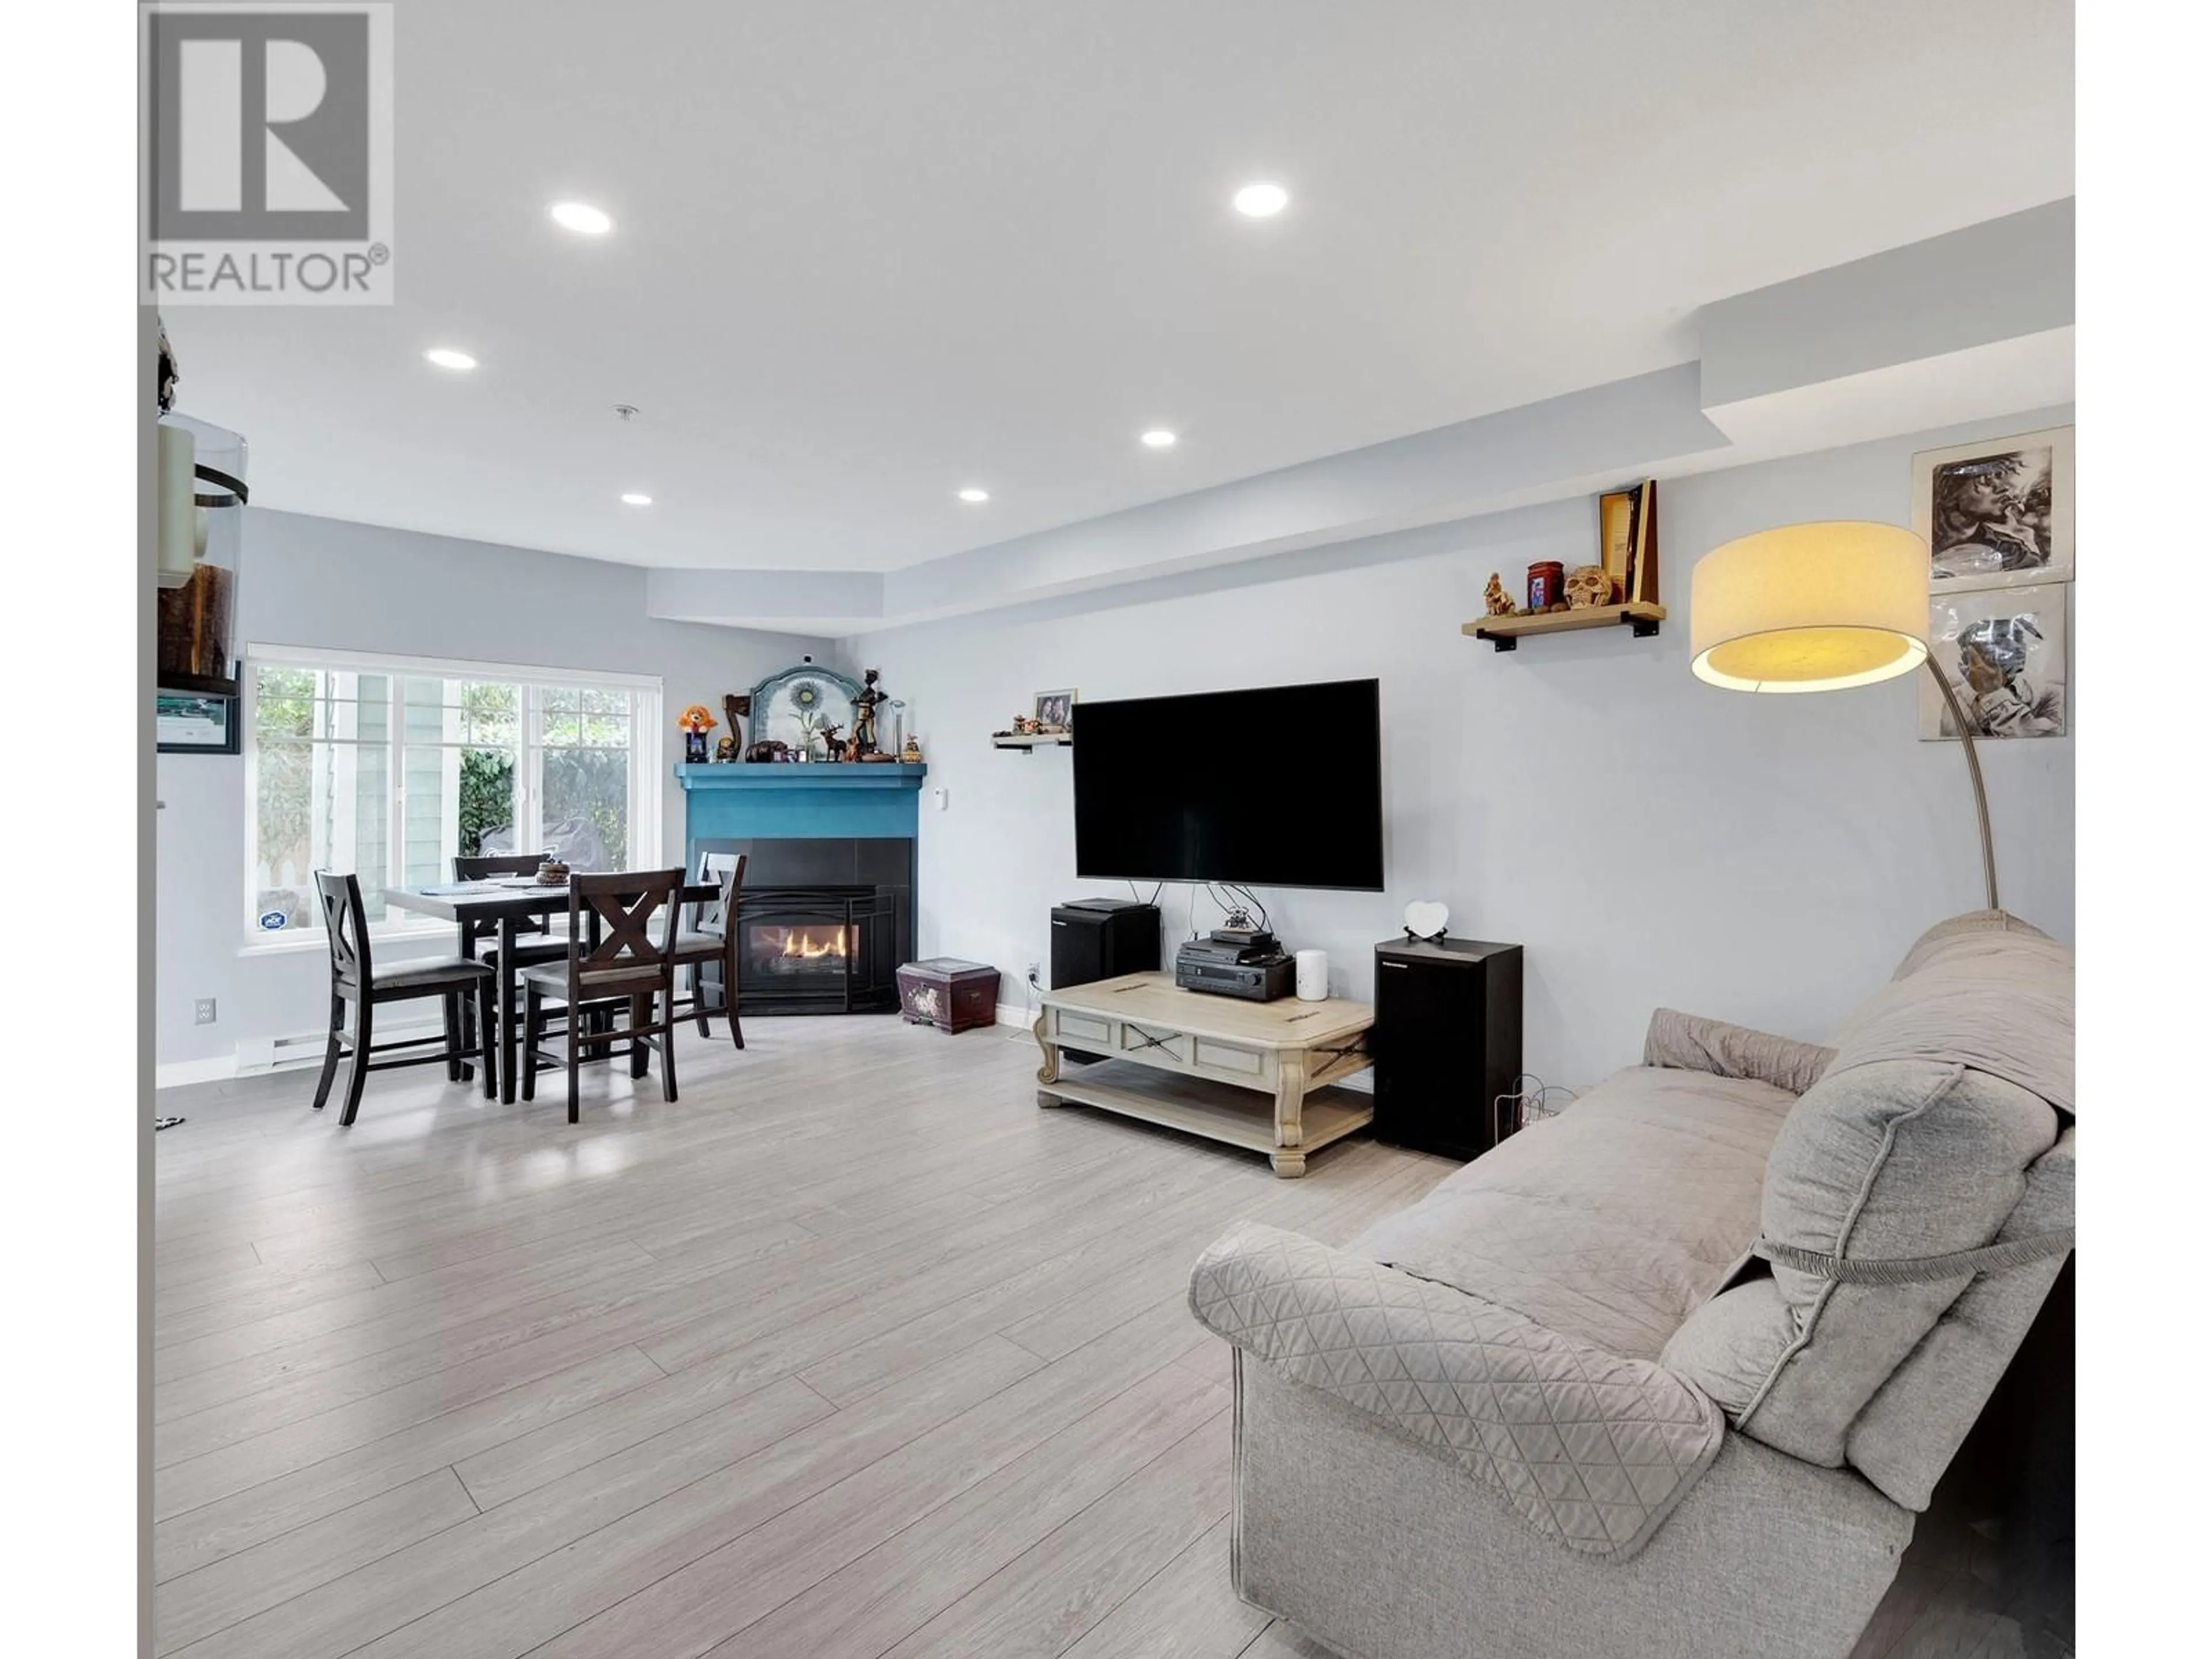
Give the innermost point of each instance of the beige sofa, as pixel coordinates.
(1672, 1372)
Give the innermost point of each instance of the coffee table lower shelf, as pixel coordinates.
(1216, 1110)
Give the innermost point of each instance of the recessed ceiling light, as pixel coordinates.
(972, 493)
(1261, 201)
(637, 498)
(1159, 438)
(581, 217)
(447, 357)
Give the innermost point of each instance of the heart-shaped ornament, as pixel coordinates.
(1425, 919)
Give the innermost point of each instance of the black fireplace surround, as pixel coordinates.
(822, 923)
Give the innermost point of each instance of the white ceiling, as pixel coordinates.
(868, 253)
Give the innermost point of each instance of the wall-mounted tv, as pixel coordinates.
(1276, 787)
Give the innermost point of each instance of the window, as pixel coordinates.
(390, 769)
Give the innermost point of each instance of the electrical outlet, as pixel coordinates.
(204, 1012)
(1036, 975)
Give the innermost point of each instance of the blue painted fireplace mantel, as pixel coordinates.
(766, 800)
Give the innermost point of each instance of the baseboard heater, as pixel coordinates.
(255, 1055)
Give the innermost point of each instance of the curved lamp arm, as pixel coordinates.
(1974, 772)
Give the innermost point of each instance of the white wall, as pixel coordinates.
(1650, 840)
(357, 587)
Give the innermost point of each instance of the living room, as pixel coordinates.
(950, 839)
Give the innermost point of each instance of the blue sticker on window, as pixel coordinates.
(271, 921)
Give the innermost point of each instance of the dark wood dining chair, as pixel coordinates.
(617, 956)
(485, 867)
(354, 978)
(538, 943)
(711, 939)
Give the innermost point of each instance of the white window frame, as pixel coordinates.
(645, 762)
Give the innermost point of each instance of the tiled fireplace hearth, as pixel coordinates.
(827, 913)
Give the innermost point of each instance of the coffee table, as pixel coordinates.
(1192, 1061)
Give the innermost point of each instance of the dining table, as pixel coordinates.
(499, 906)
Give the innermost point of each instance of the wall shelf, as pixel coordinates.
(1041, 740)
(197, 685)
(1641, 617)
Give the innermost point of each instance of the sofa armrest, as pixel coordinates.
(1590, 1449)
(1693, 1042)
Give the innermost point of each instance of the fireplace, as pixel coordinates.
(822, 923)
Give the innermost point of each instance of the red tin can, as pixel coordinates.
(1547, 584)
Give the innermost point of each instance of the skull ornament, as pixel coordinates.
(1589, 585)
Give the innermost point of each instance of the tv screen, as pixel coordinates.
(1277, 788)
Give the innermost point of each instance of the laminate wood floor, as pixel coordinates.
(851, 1350)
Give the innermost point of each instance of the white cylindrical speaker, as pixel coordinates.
(1313, 976)
(180, 526)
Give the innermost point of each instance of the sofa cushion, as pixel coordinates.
(1967, 924)
(1916, 1142)
(1909, 1432)
(1590, 1449)
(1609, 1222)
(1698, 1044)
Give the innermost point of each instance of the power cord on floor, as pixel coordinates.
(1030, 991)
(1527, 1102)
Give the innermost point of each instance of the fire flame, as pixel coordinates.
(805, 944)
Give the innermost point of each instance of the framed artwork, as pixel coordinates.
(189, 723)
(2003, 651)
(1998, 513)
(1055, 710)
(798, 706)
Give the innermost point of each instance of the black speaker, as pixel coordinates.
(1446, 1042)
(1104, 938)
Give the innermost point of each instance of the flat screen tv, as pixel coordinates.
(1276, 787)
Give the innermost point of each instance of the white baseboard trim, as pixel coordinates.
(178, 1073)
(256, 1056)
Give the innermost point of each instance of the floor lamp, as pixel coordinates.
(1822, 607)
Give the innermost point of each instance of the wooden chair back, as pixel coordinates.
(723, 866)
(614, 947)
(345, 925)
(480, 867)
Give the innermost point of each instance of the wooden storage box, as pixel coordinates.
(949, 994)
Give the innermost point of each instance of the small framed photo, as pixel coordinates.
(1055, 710)
(2003, 651)
(189, 723)
(1998, 513)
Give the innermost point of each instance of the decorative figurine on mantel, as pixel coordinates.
(864, 714)
(1494, 597)
(734, 709)
(912, 753)
(695, 722)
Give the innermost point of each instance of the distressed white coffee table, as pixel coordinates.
(1193, 1062)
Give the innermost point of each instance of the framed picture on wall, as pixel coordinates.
(2004, 651)
(1998, 513)
(189, 723)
